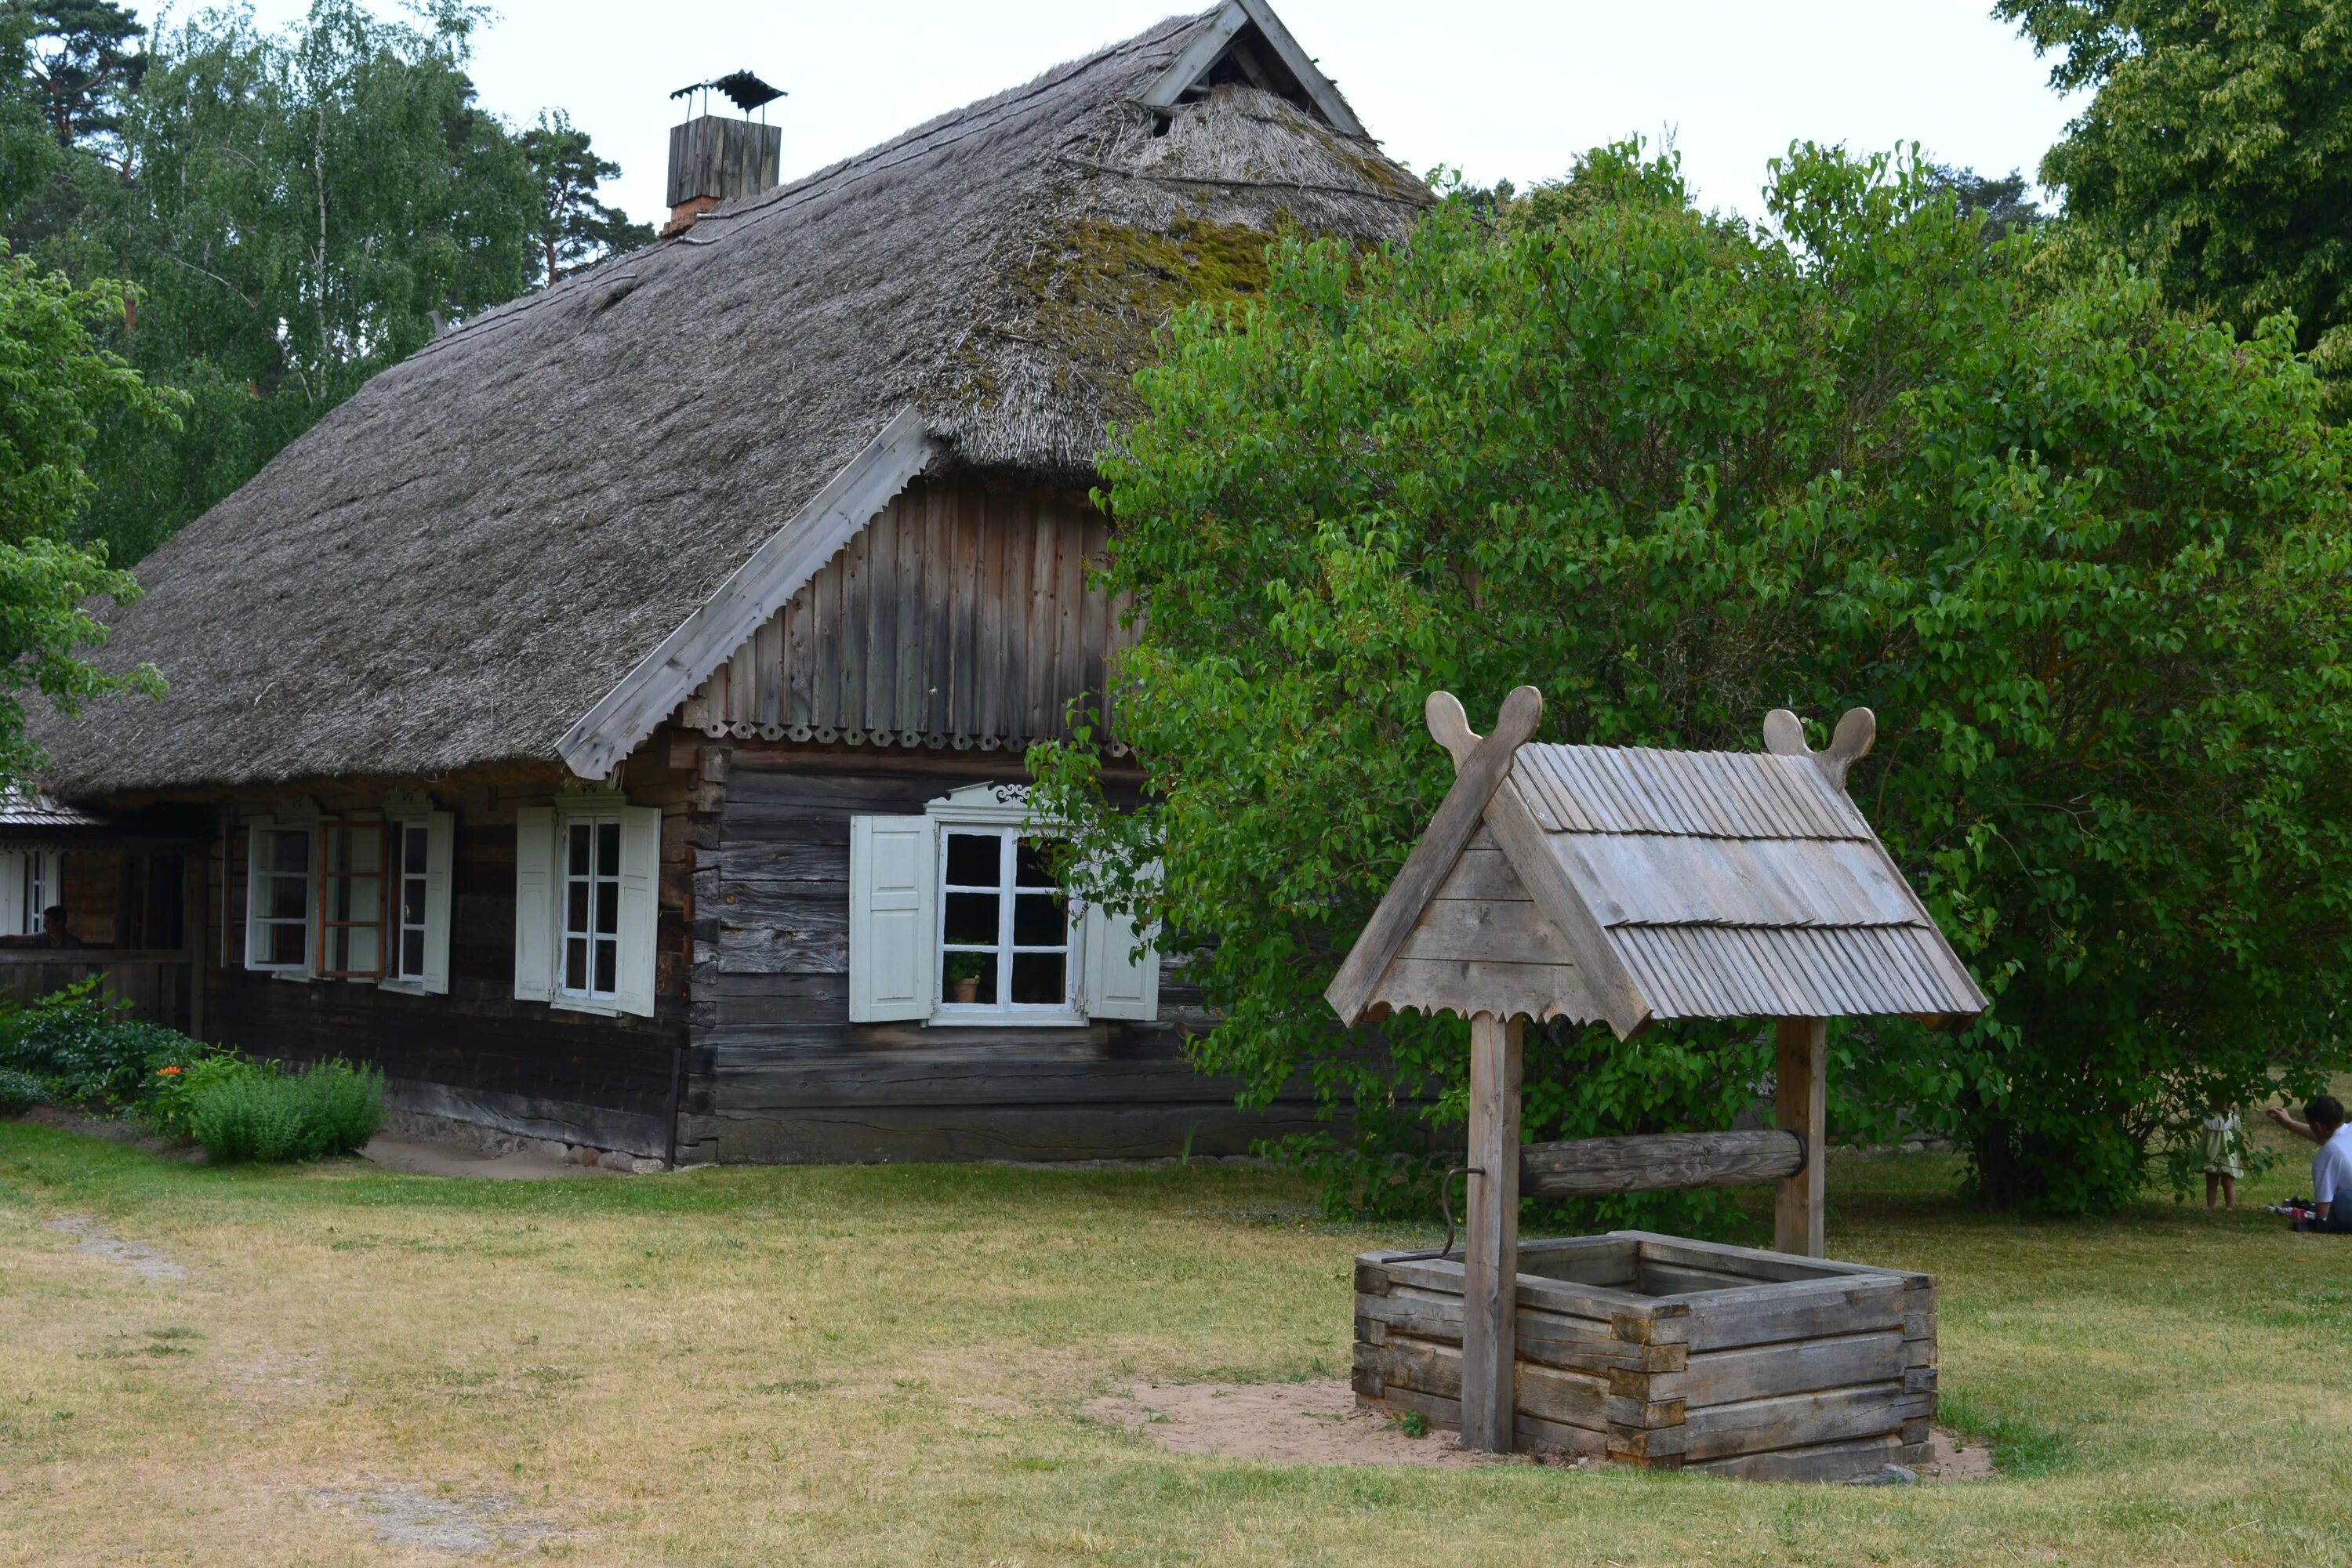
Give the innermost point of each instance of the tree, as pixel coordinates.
(2000, 205)
(305, 208)
(28, 156)
(55, 383)
(2216, 153)
(2087, 558)
(87, 71)
(573, 229)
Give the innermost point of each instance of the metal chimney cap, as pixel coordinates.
(748, 92)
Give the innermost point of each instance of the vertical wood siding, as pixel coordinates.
(961, 615)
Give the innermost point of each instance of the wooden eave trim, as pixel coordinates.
(779, 568)
(1211, 44)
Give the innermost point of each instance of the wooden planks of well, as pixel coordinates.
(1671, 1353)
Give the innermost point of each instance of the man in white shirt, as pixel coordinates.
(2331, 1167)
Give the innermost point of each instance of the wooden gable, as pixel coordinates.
(1483, 942)
(961, 615)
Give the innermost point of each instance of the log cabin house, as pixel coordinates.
(610, 720)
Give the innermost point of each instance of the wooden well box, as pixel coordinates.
(1656, 1351)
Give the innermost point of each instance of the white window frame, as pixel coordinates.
(898, 946)
(403, 818)
(1000, 1008)
(30, 881)
(299, 818)
(542, 879)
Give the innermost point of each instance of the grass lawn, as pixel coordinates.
(887, 1364)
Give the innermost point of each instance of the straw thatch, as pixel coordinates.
(460, 562)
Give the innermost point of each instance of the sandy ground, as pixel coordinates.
(422, 1157)
(1319, 1424)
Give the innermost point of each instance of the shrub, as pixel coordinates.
(19, 1093)
(172, 1089)
(253, 1111)
(81, 1050)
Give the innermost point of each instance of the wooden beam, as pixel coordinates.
(1490, 1251)
(1458, 814)
(1659, 1162)
(1610, 983)
(1801, 1105)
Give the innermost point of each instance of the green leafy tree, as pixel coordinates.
(573, 229)
(2216, 152)
(305, 208)
(2001, 206)
(55, 384)
(2087, 558)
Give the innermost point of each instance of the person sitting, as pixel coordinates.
(53, 929)
(2331, 1167)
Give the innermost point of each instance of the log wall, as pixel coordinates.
(778, 1072)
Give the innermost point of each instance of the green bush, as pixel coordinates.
(252, 1111)
(173, 1090)
(19, 1093)
(82, 1051)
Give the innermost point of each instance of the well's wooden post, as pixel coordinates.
(1801, 1105)
(1490, 1252)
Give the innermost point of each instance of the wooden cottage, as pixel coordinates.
(610, 720)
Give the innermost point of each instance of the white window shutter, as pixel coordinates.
(14, 865)
(1119, 982)
(534, 931)
(440, 848)
(893, 922)
(257, 834)
(633, 991)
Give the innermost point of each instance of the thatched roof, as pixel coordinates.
(455, 565)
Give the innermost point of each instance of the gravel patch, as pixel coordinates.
(404, 1513)
(91, 1237)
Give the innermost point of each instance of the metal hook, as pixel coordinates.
(1445, 1207)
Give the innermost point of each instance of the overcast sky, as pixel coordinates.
(1493, 88)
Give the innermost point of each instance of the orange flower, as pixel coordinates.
(167, 1072)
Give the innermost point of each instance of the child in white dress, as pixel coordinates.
(2224, 1160)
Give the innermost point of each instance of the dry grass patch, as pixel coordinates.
(891, 1365)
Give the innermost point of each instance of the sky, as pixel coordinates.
(1494, 89)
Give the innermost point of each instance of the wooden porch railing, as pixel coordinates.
(157, 983)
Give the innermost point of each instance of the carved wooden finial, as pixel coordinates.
(1449, 726)
(1784, 736)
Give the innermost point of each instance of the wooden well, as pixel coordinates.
(1671, 1354)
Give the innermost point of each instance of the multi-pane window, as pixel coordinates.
(350, 899)
(591, 959)
(280, 895)
(1004, 929)
(411, 850)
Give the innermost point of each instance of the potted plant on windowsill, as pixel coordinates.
(964, 970)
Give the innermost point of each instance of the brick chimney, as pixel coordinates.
(713, 159)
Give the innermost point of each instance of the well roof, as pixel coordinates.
(453, 566)
(1623, 884)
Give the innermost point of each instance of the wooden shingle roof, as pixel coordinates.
(1624, 885)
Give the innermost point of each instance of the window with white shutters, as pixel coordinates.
(418, 849)
(586, 905)
(955, 917)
